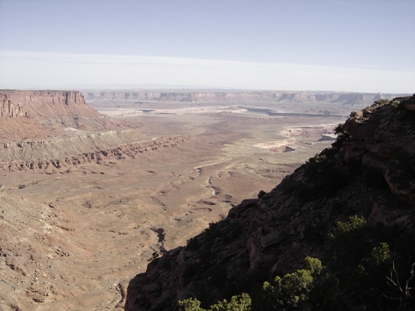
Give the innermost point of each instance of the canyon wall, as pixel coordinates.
(239, 96)
(41, 129)
(59, 154)
(44, 104)
(25, 113)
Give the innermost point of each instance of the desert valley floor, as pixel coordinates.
(77, 236)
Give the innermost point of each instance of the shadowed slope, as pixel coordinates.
(369, 172)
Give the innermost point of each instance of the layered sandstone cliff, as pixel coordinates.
(369, 172)
(59, 154)
(38, 114)
(57, 129)
(236, 96)
(44, 104)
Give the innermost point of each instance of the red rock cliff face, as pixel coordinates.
(10, 109)
(44, 104)
(36, 114)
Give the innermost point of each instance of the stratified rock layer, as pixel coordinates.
(370, 172)
(42, 130)
(45, 104)
(62, 153)
(233, 96)
(38, 114)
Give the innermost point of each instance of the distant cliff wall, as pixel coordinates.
(10, 109)
(46, 130)
(44, 104)
(36, 114)
(232, 96)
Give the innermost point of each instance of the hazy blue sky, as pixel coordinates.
(344, 45)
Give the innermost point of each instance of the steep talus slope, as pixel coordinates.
(369, 172)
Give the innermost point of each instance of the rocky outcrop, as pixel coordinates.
(56, 129)
(381, 138)
(36, 114)
(369, 172)
(62, 153)
(9, 109)
(45, 104)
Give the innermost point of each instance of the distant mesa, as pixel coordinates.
(28, 115)
(42, 103)
(232, 96)
(54, 130)
(67, 108)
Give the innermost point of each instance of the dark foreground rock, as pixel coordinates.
(369, 172)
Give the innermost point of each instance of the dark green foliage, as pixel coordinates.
(361, 257)
(236, 303)
(212, 232)
(367, 268)
(190, 304)
(342, 136)
(382, 101)
(395, 104)
(310, 288)
(323, 178)
(345, 241)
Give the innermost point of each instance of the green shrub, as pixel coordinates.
(310, 288)
(342, 136)
(346, 243)
(237, 303)
(382, 101)
(190, 304)
(395, 104)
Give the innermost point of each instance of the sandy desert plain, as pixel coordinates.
(82, 233)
